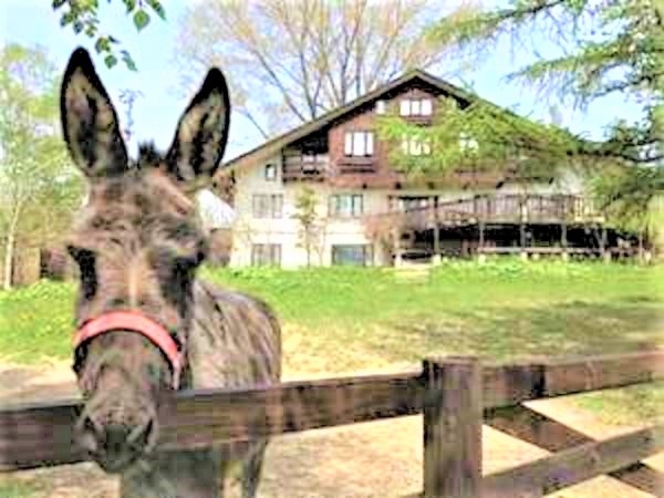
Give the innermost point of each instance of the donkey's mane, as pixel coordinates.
(148, 155)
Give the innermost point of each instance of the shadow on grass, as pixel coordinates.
(567, 329)
(572, 328)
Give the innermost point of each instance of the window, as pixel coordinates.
(352, 255)
(381, 107)
(413, 203)
(416, 107)
(265, 255)
(358, 143)
(415, 147)
(270, 172)
(267, 205)
(346, 205)
(426, 107)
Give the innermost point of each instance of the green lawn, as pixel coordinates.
(340, 320)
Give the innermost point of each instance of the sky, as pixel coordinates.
(32, 22)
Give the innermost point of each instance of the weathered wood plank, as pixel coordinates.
(41, 435)
(510, 384)
(576, 375)
(535, 428)
(453, 428)
(575, 465)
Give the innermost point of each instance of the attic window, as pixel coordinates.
(416, 107)
(270, 172)
(380, 107)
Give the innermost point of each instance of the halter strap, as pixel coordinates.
(134, 322)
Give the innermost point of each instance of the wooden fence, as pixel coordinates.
(456, 395)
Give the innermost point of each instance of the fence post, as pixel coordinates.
(453, 415)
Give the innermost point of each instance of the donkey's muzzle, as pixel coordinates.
(116, 446)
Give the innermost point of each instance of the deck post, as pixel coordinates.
(563, 240)
(480, 249)
(606, 255)
(396, 243)
(522, 227)
(436, 234)
(453, 416)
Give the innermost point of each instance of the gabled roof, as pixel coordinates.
(269, 148)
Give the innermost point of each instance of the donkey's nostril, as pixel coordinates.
(116, 437)
(143, 436)
(89, 435)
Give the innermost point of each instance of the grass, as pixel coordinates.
(343, 320)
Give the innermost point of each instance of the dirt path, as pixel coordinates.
(377, 459)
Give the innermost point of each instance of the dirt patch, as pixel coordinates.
(376, 459)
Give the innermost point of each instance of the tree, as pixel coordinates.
(293, 60)
(38, 185)
(83, 17)
(311, 228)
(605, 48)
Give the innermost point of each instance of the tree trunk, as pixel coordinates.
(9, 252)
(9, 262)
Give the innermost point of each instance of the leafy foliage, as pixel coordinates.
(306, 213)
(604, 49)
(83, 17)
(38, 185)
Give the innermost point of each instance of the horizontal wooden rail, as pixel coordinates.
(574, 465)
(40, 435)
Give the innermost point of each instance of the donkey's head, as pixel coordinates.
(137, 243)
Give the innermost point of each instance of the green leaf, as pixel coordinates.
(110, 61)
(158, 8)
(130, 4)
(78, 27)
(129, 62)
(56, 4)
(102, 45)
(141, 19)
(67, 18)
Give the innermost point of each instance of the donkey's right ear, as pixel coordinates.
(89, 122)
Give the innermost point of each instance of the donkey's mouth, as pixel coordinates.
(115, 448)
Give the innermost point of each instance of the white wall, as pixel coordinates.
(285, 231)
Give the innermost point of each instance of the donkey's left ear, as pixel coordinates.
(202, 133)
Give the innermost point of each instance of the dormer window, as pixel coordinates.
(416, 107)
(270, 172)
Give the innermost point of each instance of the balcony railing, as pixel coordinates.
(503, 209)
(297, 168)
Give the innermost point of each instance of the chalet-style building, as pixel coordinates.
(370, 214)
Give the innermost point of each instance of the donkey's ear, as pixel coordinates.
(89, 122)
(202, 133)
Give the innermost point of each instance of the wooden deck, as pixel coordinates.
(504, 209)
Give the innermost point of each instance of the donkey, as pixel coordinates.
(145, 325)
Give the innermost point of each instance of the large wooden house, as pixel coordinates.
(368, 213)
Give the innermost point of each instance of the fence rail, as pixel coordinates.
(455, 395)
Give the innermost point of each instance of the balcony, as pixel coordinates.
(508, 209)
(352, 165)
(305, 167)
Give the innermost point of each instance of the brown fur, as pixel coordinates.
(138, 243)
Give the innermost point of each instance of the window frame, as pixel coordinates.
(259, 251)
(367, 255)
(274, 209)
(266, 176)
(351, 137)
(335, 206)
